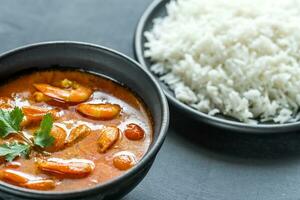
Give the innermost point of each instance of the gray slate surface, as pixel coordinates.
(196, 162)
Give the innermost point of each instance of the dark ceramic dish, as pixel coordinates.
(158, 9)
(102, 61)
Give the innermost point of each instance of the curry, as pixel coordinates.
(69, 130)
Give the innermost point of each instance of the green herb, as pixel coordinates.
(14, 149)
(42, 137)
(10, 121)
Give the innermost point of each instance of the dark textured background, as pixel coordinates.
(195, 162)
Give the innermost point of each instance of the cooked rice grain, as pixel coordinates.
(239, 57)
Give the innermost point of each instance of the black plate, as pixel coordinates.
(158, 9)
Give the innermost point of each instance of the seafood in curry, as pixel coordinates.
(69, 130)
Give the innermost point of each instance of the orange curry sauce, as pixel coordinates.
(132, 120)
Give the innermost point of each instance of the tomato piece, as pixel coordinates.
(134, 132)
(124, 160)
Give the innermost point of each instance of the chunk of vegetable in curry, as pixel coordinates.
(66, 130)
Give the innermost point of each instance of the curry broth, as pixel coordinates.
(104, 90)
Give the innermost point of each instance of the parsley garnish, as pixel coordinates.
(10, 121)
(42, 137)
(11, 150)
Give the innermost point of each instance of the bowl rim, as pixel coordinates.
(212, 120)
(150, 154)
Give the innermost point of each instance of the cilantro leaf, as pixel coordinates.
(13, 150)
(10, 121)
(42, 137)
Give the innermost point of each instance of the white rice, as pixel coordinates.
(239, 58)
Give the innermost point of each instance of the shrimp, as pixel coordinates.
(13, 176)
(108, 136)
(73, 168)
(78, 132)
(60, 136)
(43, 184)
(35, 114)
(12, 164)
(26, 180)
(104, 111)
(76, 94)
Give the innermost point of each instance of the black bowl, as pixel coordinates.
(158, 9)
(99, 60)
